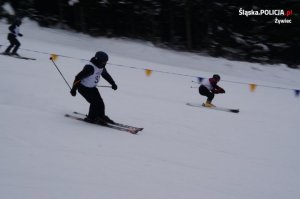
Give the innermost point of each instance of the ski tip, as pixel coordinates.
(135, 132)
(235, 110)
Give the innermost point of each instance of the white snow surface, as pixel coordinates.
(8, 8)
(183, 152)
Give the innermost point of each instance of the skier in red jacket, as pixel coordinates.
(209, 88)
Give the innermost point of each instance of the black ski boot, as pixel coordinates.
(107, 119)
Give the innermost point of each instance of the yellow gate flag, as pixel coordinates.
(148, 72)
(54, 57)
(252, 87)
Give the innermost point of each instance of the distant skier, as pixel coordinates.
(209, 88)
(14, 29)
(86, 83)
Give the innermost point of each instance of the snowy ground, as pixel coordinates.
(183, 152)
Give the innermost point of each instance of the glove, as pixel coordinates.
(114, 86)
(20, 35)
(221, 90)
(73, 92)
(218, 90)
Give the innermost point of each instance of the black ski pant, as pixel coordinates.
(14, 43)
(205, 92)
(92, 95)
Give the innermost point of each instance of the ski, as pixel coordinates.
(26, 58)
(19, 57)
(129, 130)
(214, 108)
(116, 123)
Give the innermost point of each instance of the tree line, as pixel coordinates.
(218, 28)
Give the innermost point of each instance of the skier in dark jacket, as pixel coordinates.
(12, 37)
(86, 84)
(209, 88)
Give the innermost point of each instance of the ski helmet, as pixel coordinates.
(18, 22)
(216, 77)
(101, 56)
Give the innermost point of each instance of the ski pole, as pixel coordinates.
(60, 73)
(105, 86)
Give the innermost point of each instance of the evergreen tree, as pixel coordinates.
(211, 26)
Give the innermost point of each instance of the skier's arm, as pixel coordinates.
(108, 78)
(217, 89)
(11, 28)
(86, 71)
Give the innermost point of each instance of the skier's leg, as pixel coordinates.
(17, 44)
(10, 38)
(210, 96)
(92, 95)
(97, 104)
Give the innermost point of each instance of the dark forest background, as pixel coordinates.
(213, 27)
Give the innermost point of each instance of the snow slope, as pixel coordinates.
(183, 152)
